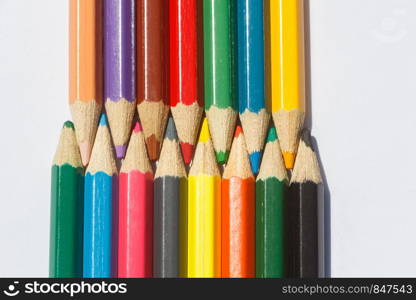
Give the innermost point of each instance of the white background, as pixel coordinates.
(363, 87)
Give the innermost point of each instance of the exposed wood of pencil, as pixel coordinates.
(85, 70)
(305, 214)
(238, 213)
(271, 194)
(100, 183)
(170, 192)
(135, 222)
(287, 72)
(185, 101)
(65, 255)
(204, 211)
(152, 81)
(255, 126)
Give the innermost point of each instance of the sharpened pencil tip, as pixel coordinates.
(171, 130)
(103, 120)
(272, 135)
(153, 147)
(222, 157)
(137, 127)
(205, 135)
(69, 124)
(238, 131)
(121, 151)
(187, 152)
(85, 150)
(255, 160)
(289, 159)
(306, 137)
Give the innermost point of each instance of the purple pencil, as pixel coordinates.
(120, 72)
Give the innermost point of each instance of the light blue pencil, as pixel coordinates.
(100, 188)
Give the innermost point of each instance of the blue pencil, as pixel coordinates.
(251, 91)
(100, 186)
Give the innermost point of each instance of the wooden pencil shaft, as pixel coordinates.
(120, 50)
(250, 41)
(217, 54)
(135, 257)
(287, 54)
(183, 52)
(238, 228)
(303, 228)
(204, 227)
(100, 190)
(166, 227)
(85, 43)
(151, 54)
(270, 228)
(66, 222)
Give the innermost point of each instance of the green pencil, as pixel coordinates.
(220, 98)
(271, 191)
(65, 256)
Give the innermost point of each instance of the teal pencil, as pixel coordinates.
(251, 96)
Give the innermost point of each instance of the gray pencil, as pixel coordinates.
(170, 190)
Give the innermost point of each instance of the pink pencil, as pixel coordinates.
(135, 251)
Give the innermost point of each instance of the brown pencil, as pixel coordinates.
(152, 48)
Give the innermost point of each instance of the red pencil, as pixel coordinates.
(135, 251)
(238, 213)
(185, 102)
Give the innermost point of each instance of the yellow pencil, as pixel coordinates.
(204, 211)
(287, 72)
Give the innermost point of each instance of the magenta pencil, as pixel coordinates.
(135, 251)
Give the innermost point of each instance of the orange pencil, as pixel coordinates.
(238, 213)
(85, 70)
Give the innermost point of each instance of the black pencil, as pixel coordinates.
(304, 214)
(170, 195)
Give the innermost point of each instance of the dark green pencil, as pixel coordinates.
(65, 256)
(271, 191)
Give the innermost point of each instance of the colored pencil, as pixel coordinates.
(251, 97)
(287, 73)
(99, 195)
(238, 213)
(152, 39)
(185, 103)
(271, 197)
(170, 193)
(65, 255)
(305, 213)
(220, 102)
(120, 70)
(85, 71)
(135, 251)
(204, 211)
